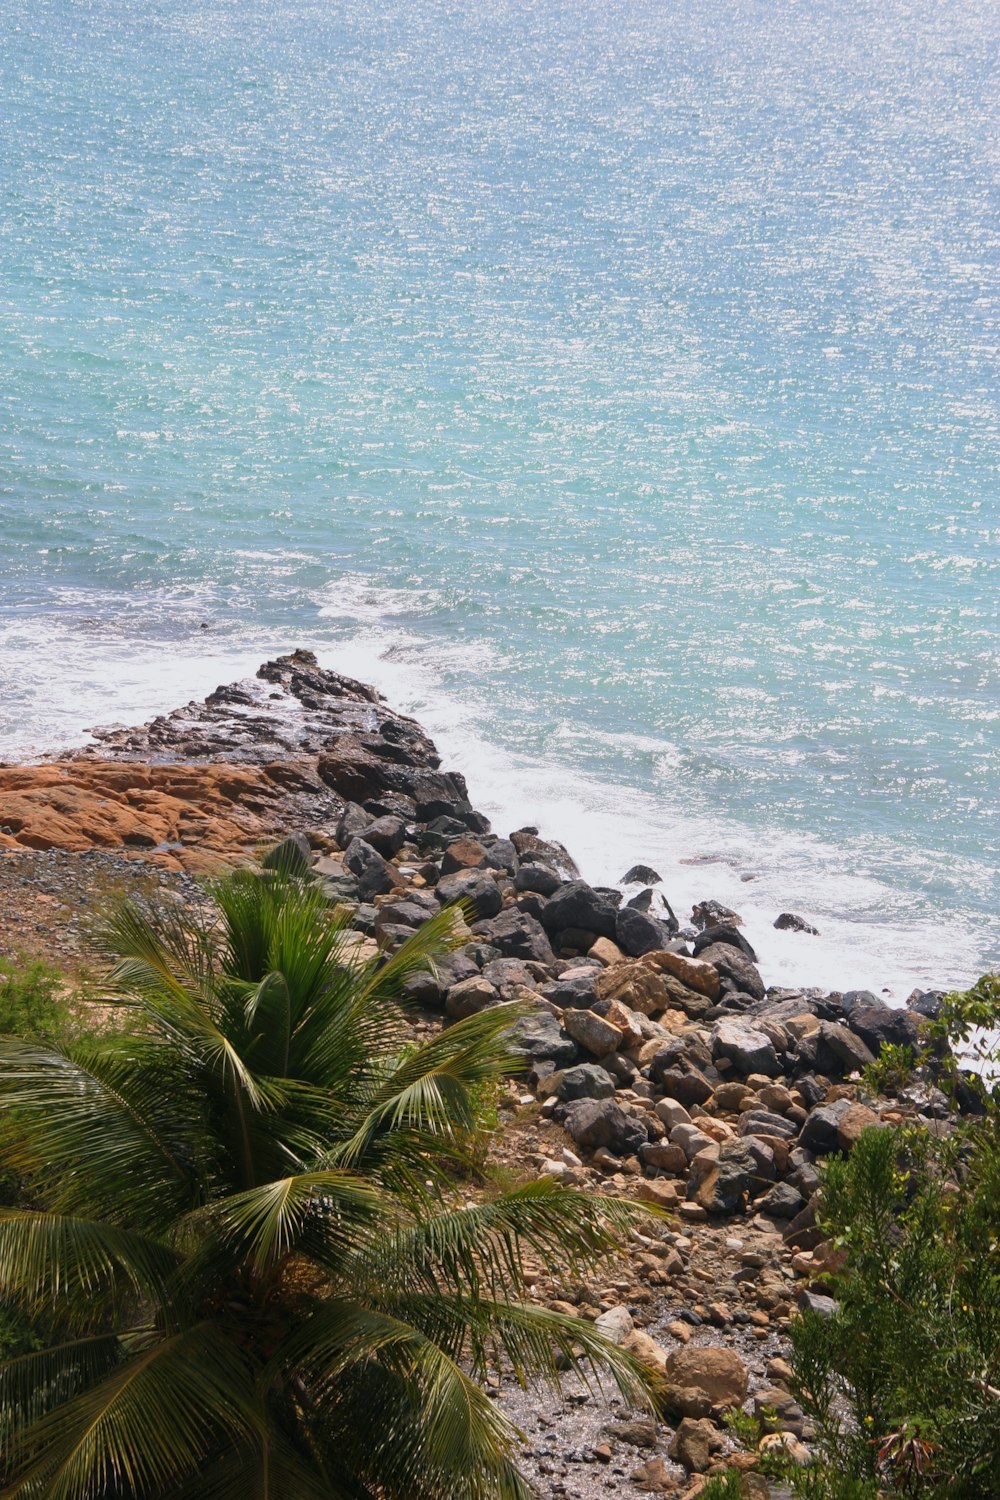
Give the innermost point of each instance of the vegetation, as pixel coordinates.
(31, 1000)
(903, 1381)
(242, 1238)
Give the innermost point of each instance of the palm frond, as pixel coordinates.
(146, 1427)
(59, 1261)
(265, 1223)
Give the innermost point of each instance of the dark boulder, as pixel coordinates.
(386, 835)
(292, 857)
(539, 1037)
(541, 879)
(644, 873)
(636, 933)
(530, 847)
(819, 1133)
(736, 970)
(578, 905)
(878, 1028)
(602, 1122)
(584, 1081)
(374, 876)
(473, 887)
(723, 934)
(789, 922)
(518, 936)
(713, 915)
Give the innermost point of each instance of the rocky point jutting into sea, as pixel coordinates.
(658, 1064)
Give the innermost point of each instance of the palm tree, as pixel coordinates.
(246, 1242)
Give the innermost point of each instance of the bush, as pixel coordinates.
(31, 1003)
(902, 1381)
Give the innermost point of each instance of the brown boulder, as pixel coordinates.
(719, 1373)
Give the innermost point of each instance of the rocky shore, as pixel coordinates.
(658, 1064)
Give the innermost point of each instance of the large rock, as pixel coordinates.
(532, 849)
(878, 1028)
(719, 1373)
(585, 1081)
(734, 966)
(387, 835)
(693, 973)
(592, 1032)
(678, 1078)
(539, 1038)
(474, 888)
(517, 935)
(601, 1122)
(541, 879)
(819, 1134)
(694, 1442)
(733, 1178)
(637, 933)
(839, 1050)
(469, 997)
(577, 905)
(748, 1050)
(727, 936)
(374, 876)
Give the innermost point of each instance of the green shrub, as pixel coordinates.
(902, 1381)
(31, 1002)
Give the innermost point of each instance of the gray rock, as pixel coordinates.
(815, 1302)
(601, 1122)
(841, 1044)
(387, 835)
(789, 922)
(574, 992)
(644, 873)
(578, 905)
(480, 891)
(734, 966)
(518, 936)
(540, 1038)
(714, 914)
(374, 876)
(748, 1050)
(765, 1122)
(616, 1324)
(541, 879)
(591, 1032)
(782, 1202)
(637, 933)
(819, 1133)
(584, 1081)
(878, 1027)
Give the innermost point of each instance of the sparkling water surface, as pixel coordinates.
(615, 384)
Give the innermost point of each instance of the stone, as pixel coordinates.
(734, 967)
(386, 835)
(601, 1122)
(615, 1324)
(462, 854)
(469, 997)
(518, 936)
(577, 905)
(714, 914)
(878, 1027)
(720, 1373)
(541, 879)
(762, 1122)
(789, 922)
(374, 876)
(637, 933)
(293, 856)
(640, 1433)
(693, 973)
(664, 1156)
(532, 849)
(540, 1037)
(848, 1051)
(641, 875)
(816, 1302)
(606, 952)
(473, 888)
(584, 1081)
(729, 1181)
(748, 1050)
(592, 1032)
(681, 1081)
(726, 936)
(783, 1201)
(693, 1444)
(819, 1134)
(855, 1119)
(659, 1193)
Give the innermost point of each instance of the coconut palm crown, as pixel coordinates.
(245, 1243)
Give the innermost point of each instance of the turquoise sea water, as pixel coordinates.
(614, 383)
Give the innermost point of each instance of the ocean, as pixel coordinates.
(612, 382)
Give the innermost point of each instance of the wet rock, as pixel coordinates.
(530, 849)
(736, 967)
(714, 914)
(789, 922)
(637, 933)
(726, 937)
(643, 874)
(577, 905)
(541, 879)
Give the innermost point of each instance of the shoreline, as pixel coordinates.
(610, 826)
